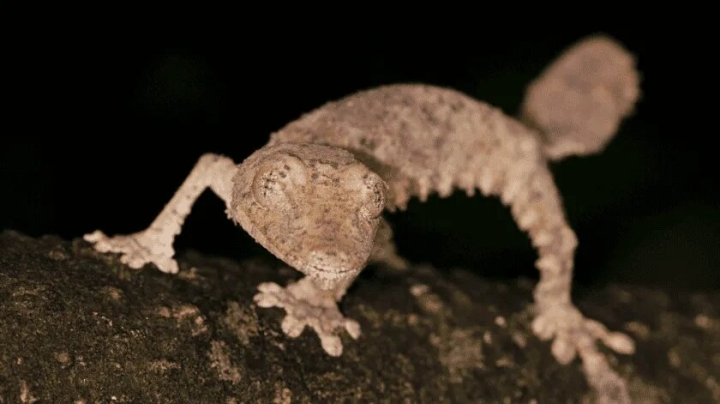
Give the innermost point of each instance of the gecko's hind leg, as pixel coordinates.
(306, 304)
(538, 210)
(154, 244)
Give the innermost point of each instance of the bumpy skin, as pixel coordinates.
(421, 139)
(313, 196)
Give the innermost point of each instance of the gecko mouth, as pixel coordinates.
(329, 270)
(330, 265)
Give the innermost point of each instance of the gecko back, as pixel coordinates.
(422, 138)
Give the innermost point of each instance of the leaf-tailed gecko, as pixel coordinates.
(314, 195)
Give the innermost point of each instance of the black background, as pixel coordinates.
(104, 122)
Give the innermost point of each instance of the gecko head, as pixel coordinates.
(315, 207)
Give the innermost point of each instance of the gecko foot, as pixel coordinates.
(574, 335)
(307, 305)
(137, 249)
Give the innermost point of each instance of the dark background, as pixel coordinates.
(103, 125)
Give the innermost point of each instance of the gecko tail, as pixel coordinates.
(578, 102)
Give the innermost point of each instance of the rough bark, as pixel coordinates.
(76, 326)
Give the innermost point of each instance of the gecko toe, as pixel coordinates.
(620, 343)
(94, 237)
(542, 328)
(269, 287)
(563, 350)
(266, 300)
(353, 328)
(292, 327)
(331, 344)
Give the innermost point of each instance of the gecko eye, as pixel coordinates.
(374, 197)
(276, 178)
(371, 189)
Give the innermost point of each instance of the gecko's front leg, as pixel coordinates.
(154, 244)
(307, 304)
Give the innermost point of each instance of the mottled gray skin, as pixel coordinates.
(313, 196)
(421, 139)
(417, 138)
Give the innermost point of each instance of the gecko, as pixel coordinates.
(314, 194)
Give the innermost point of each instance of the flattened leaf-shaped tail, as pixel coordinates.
(578, 102)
